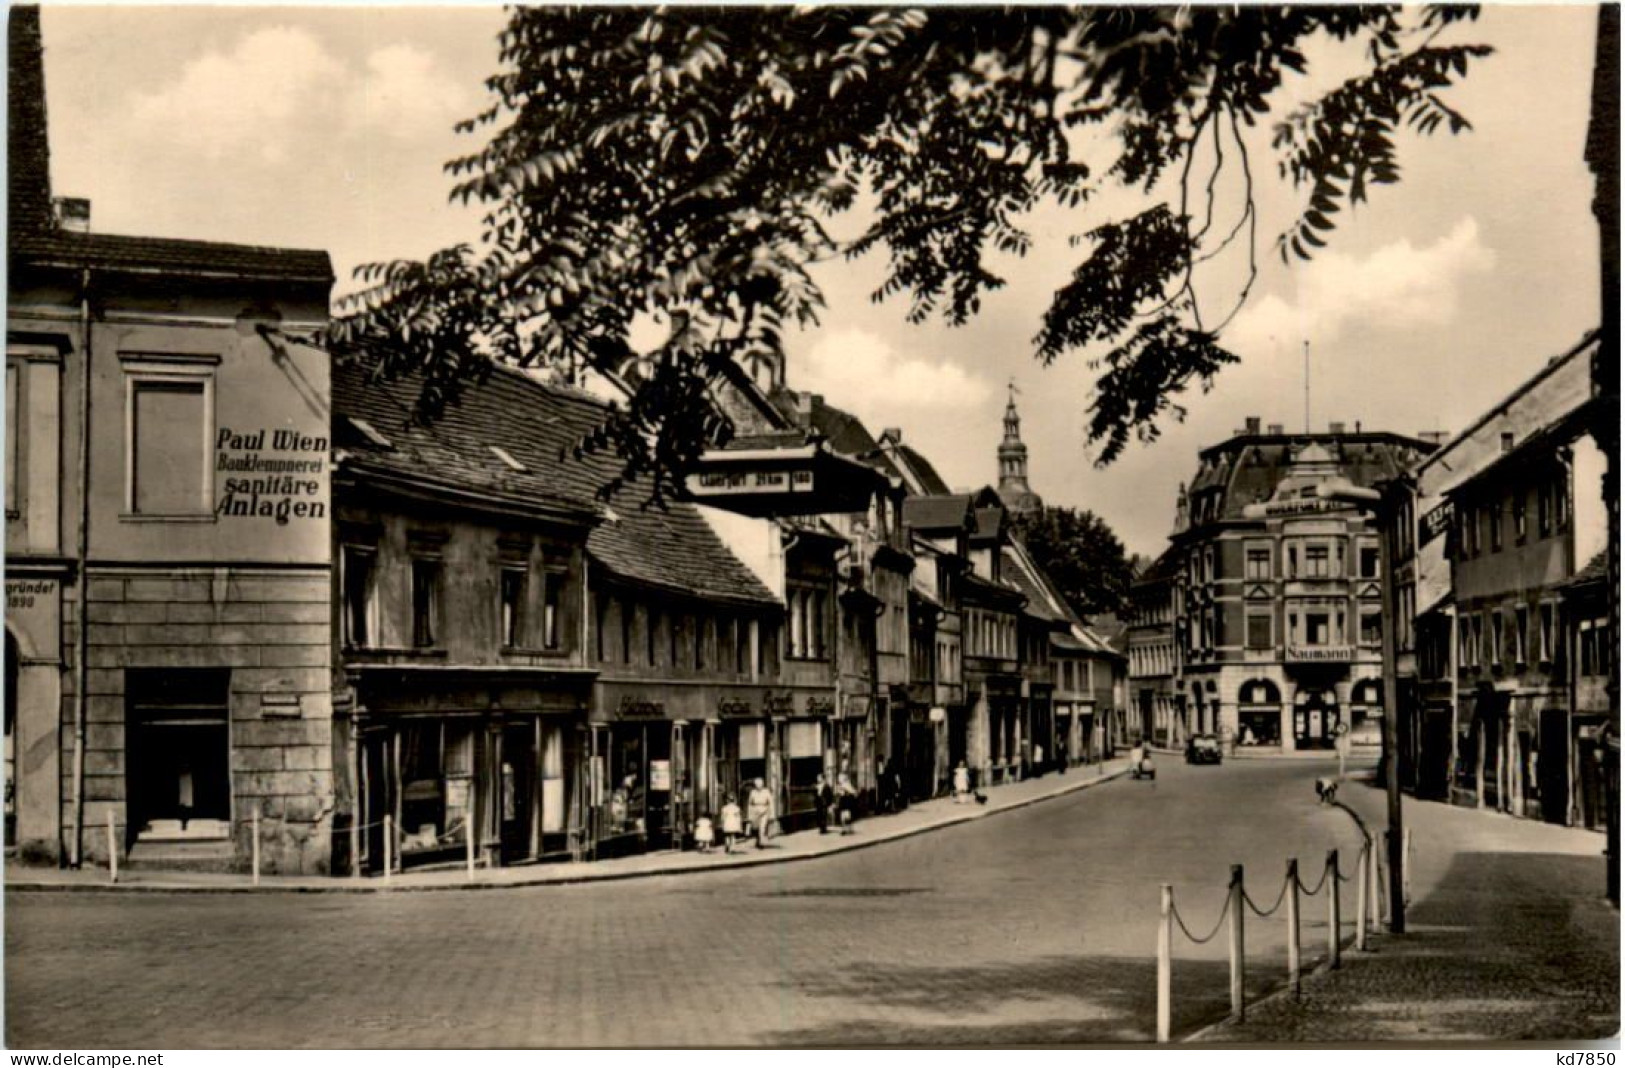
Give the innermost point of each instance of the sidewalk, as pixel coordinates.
(918, 818)
(1509, 939)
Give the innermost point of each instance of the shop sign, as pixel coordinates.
(1320, 654)
(637, 708)
(726, 483)
(818, 706)
(282, 474)
(735, 709)
(1437, 522)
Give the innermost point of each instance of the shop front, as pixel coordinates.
(458, 765)
(1258, 715)
(1315, 718)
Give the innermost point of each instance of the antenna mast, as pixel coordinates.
(1307, 426)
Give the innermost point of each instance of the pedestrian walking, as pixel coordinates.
(759, 806)
(845, 798)
(961, 784)
(824, 799)
(704, 834)
(733, 823)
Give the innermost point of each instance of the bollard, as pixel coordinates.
(1165, 965)
(256, 847)
(112, 848)
(1362, 898)
(389, 848)
(1334, 944)
(1294, 950)
(468, 840)
(1238, 1007)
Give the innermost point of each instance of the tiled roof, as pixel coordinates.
(845, 432)
(539, 425)
(946, 512)
(1039, 600)
(1595, 571)
(1249, 469)
(170, 255)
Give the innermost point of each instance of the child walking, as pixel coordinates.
(733, 823)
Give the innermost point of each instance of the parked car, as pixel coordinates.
(1202, 749)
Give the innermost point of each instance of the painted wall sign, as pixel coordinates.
(633, 708)
(735, 709)
(270, 473)
(23, 594)
(1437, 521)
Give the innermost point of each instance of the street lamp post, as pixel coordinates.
(1380, 503)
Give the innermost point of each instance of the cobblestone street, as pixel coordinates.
(910, 942)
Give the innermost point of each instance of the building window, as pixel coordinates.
(359, 579)
(179, 749)
(1497, 649)
(1317, 628)
(170, 427)
(1546, 504)
(1258, 562)
(1370, 561)
(1560, 490)
(1260, 630)
(1595, 649)
(1520, 635)
(425, 600)
(742, 646)
(1548, 633)
(552, 605)
(1370, 627)
(808, 623)
(1494, 512)
(600, 618)
(1316, 561)
(702, 638)
(513, 586)
(1464, 641)
(1520, 516)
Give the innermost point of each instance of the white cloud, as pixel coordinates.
(858, 370)
(280, 92)
(1397, 287)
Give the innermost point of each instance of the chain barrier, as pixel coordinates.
(1358, 858)
(1265, 914)
(1217, 927)
(1319, 886)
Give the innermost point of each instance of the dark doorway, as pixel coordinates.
(179, 751)
(1552, 766)
(516, 791)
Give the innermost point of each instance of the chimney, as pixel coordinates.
(28, 155)
(1338, 428)
(72, 214)
(1277, 430)
(1434, 437)
(1253, 424)
(892, 433)
(1507, 440)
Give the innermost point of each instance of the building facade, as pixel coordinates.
(1278, 603)
(1155, 694)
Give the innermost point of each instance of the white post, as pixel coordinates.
(1334, 926)
(389, 847)
(1294, 951)
(256, 847)
(1362, 905)
(468, 836)
(1165, 965)
(112, 847)
(1238, 977)
(1410, 862)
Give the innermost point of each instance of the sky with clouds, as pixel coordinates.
(327, 127)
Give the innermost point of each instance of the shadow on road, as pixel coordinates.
(1056, 1000)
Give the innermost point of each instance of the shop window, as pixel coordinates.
(359, 567)
(513, 591)
(1260, 630)
(1370, 561)
(1370, 627)
(426, 572)
(436, 785)
(169, 432)
(1258, 562)
(178, 751)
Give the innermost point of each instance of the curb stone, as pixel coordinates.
(347, 885)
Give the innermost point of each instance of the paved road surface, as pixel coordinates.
(1035, 926)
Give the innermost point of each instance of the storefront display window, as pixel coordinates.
(437, 786)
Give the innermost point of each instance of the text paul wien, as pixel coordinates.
(271, 474)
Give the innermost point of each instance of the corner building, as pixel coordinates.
(1279, 603)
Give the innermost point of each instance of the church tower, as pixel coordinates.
(1017, 495)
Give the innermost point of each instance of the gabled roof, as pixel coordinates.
(1041, 603)
(673, 549)
(845, 433)
(1161, 569)
(946, 512)
(911, 466)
